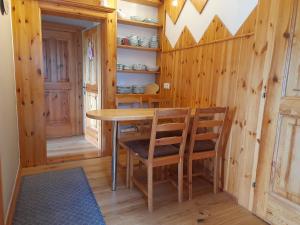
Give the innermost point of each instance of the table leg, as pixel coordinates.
(114, 163)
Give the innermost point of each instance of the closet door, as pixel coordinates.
(280, 196)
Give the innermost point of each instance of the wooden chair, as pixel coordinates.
(158, 152)
(132, 102)
(156, 102)
(206, 131)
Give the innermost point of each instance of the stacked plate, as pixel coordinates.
(138, 89)
(143, 42)
(126, 67)
(139, 67)
(124, 89)
(154, 42)
(119, 40)
(150, 20)
(137, 18)
(153, 68)
(133, 40)
(120, 66)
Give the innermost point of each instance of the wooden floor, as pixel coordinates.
(125, 207)
(69, 145)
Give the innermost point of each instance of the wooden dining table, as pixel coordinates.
(115, 116)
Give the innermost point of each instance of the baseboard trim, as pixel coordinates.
(13, 203)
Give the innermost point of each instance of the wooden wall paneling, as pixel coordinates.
(172, 11)
(220, 48)
(88, 4)
(275, 78)
(29, 81)
(254, 98)
(50, 7)
(219, 72)
(241, 71)
(160, 31)
(199, 4)
(109, 75)
(231, 75)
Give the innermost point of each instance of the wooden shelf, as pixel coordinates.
(155, 3)
(138, 71)
(137, 23)
(144, 96)
(139, 48)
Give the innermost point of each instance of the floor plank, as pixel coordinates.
(125, 207)
(69, 146)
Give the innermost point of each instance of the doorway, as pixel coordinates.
(72, 77)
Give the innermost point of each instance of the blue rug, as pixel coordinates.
(57, 198)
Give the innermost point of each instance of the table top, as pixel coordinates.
(122, 114)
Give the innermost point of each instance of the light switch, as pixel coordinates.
(167, 86)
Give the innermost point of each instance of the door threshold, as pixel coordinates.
(73, 157)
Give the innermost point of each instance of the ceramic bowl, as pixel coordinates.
(138, 67)
(153, 68)
(124, 89)
(138, 89)
(136, 18)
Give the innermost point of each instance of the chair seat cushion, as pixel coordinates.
(203, 146)
(168, 134)
(141, 147)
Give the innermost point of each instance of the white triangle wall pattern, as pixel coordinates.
(233, 13)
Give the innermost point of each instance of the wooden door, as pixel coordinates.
(277, 197)
(92, 82)
(62, 82)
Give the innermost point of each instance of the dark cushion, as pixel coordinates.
(203, 146)
(141, 147)
(168, 134)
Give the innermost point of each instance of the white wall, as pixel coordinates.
(233, 13)
(9, 141)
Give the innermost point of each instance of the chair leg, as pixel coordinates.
(216, 173)
(150, 188)
(180, 180)
(128, 156)
(131, 165)
(190, 178)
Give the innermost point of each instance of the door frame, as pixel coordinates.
(103, 18)
(29, 79)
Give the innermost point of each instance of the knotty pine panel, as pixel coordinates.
(222, 70)
(29, 81)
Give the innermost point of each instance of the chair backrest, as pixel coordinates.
(156, 102)
(208, 125)
(132, 101)
(171, 121)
